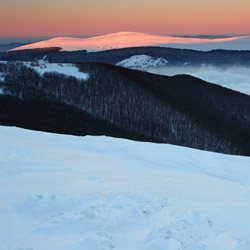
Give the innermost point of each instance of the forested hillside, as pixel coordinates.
(175, 57)
(119, 102)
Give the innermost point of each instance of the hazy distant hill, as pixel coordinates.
(119, 102)
(5, 47)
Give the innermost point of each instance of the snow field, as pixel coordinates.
(61, 68)
(68, 192)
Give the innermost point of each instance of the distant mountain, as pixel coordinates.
(119, 102)
(174, 57)
(134, 39)
(9, 46)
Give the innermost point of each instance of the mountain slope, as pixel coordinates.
(175, 57)
(66, 192)
(56, 117)
(181, 110)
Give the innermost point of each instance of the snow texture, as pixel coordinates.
(134, 39)
(66, 192)
(142, 61)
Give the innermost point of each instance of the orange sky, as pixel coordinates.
(95, 17)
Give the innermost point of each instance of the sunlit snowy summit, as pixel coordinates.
(135, 39)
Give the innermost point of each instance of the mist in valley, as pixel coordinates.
(236, 78)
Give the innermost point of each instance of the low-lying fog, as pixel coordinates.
(236, 78)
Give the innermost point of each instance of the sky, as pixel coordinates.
(97, 17)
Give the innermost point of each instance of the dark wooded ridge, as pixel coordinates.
(175, 57)
(119, 102)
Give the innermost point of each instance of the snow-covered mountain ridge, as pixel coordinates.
(142, 61)
(134, 39)
(66, 192)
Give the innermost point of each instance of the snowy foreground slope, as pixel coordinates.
(66, 192)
